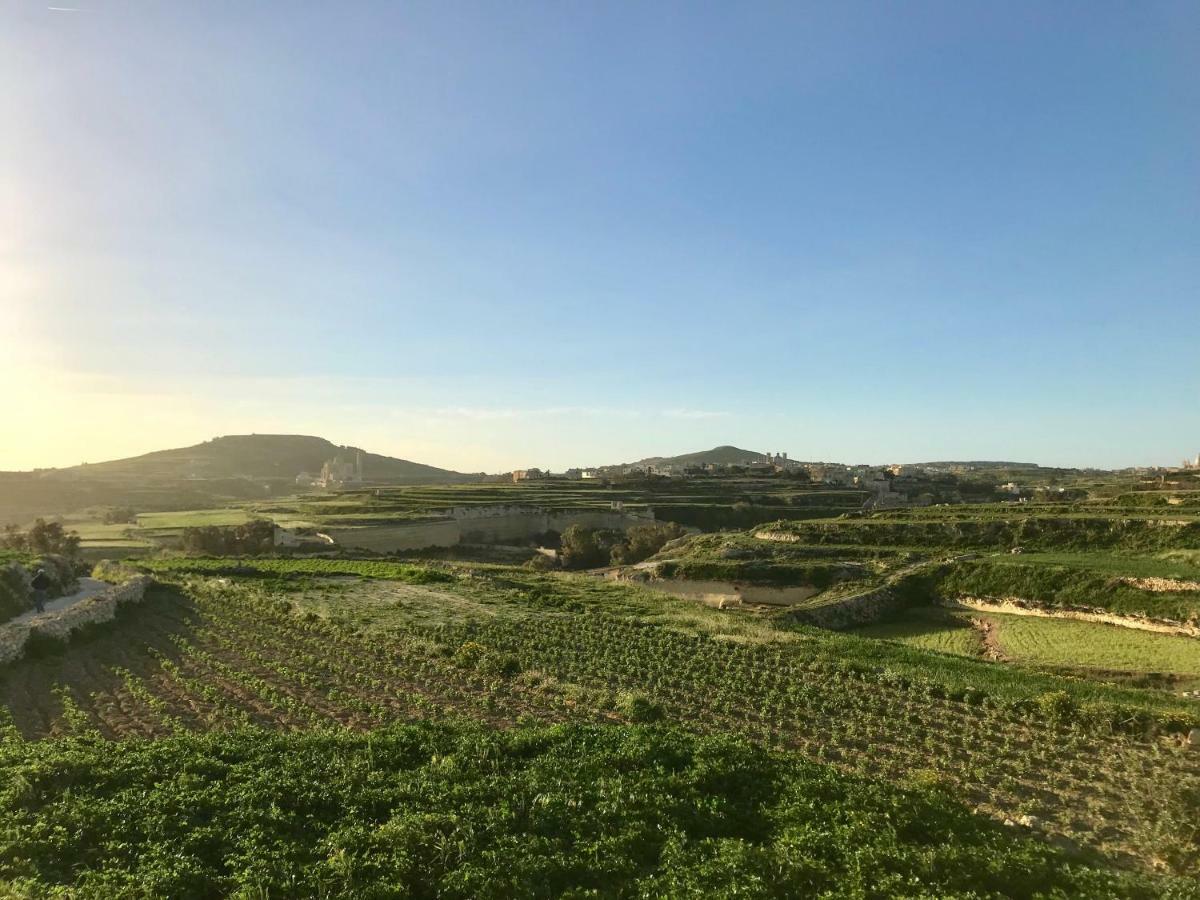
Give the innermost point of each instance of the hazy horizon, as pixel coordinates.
(594, 462)
(487, 237)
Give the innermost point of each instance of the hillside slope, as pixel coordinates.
(262, 456)
(225, 469)
(725, 455)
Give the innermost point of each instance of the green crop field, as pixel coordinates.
(191, 518)
(1071, 644)
(929, 630)
(117, 538)
(1093, 648)
(353, 646)
(461, 811)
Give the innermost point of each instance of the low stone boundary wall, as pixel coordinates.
(781, 537)
(59, 625)
(1162, 585)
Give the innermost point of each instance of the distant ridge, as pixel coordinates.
(228, 469)
(262, 456)
(725, 455)
(980, 464)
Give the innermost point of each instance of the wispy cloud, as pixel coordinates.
(65, 9)
(592, 412)
(485, 413)
(693, 414)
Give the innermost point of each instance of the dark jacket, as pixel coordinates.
(41, 582)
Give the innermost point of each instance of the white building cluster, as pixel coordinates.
(336, 473)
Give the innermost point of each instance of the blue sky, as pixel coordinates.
(489, 235)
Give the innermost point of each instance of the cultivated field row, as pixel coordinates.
(213, 655)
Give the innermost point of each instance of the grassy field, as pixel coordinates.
(1087, 648)
(117, 538)
(1068, 644)
(164, 521)
(929, 630)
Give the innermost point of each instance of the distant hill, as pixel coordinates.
(225, 469)
(263, 456)
(980, 464)
(725, 455)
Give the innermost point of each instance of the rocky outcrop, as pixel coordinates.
(61, 624)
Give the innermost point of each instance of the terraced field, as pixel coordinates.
(1100, 768)
(1084, 648)
(929, 629)
(1062, 747)
(1069, 644)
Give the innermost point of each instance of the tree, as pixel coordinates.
(13, 538)
(120, 515)
(43, 537)
(643, 541)
(251, 538)
(584, 548)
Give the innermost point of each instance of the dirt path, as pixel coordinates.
(88, 587)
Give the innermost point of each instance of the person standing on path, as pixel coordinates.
(40, 585)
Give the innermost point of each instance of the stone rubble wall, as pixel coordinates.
(781, 537)
(60, 624)
(848, 612)
(1162, 585)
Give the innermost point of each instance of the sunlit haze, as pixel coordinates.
(484, 236)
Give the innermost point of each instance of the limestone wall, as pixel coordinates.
(60, 624)
(507, 528)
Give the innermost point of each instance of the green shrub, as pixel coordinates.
(643, 541)
(14, 591)
(503, 664)
(1056, 705)
(638, 708)
(114, 571)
